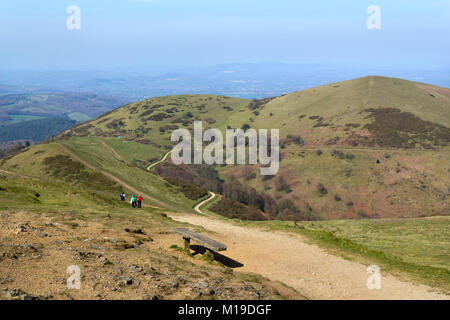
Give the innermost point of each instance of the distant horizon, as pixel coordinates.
(233, 79)
(169, 68)
(130, 34)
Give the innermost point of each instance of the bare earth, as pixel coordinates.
(35, 252)
(302, 266)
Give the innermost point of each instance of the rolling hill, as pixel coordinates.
(336, 165)
(369, 147)
(372, 147)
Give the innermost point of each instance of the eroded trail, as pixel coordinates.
(197, 207)
(305, 267)
(158, 162)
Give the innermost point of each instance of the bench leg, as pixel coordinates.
(209, 256)
(187, 244)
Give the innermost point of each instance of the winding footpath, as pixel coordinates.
(197, 207)
(158, 162)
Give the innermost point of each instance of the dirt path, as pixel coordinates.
(18, 174)
(163, 159)
(305, 267)
(87, 164)
(197, 207)
(116, 154)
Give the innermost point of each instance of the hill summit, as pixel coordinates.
(369, 112)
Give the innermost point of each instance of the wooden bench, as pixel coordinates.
(210, 244)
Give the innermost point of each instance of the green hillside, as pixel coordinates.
(366, 148)
(359, 112)
(369, 147)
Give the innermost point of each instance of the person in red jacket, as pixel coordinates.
(139, 201)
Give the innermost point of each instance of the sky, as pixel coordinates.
(123, 34)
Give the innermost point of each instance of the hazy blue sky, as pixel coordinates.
(120, 33)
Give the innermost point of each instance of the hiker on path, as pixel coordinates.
(133, 201)
(139, 201)
(122, 196)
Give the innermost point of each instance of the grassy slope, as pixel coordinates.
(98, 153)
(407, 184)
(342, 103)
(131, 116)
(418, 248)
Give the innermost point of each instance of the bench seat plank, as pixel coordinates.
(205, 241)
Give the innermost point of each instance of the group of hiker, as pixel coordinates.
(136, 202)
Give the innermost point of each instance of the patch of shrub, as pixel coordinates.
(190, 191)
(338, 154)
(350, 156)
(296, 139)
(348, 172)
(361, 214)
(393, 128)
(210, 120)
(235, 210)
(64, 168)
(160, 116)
(321, 189)
(116, 124)
(259, 104)
(287, 206)
(169, 127)
(341, 155)
(281, 185)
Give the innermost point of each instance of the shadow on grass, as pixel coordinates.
(228, 262)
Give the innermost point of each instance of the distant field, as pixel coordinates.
(78, 116)
(79, 106)
(16, 118)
